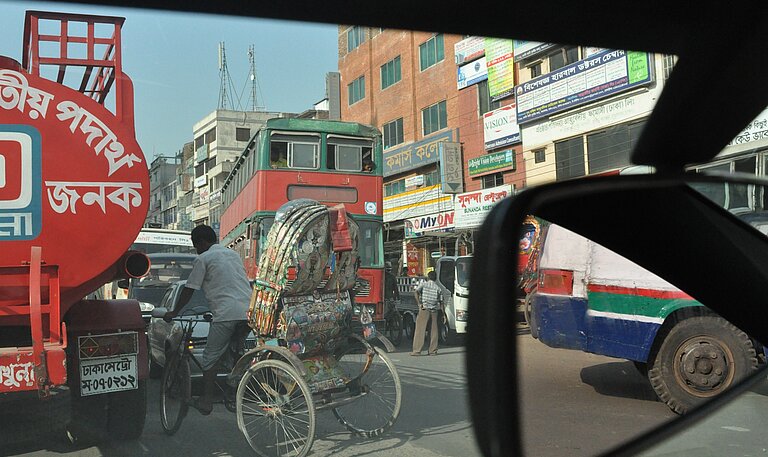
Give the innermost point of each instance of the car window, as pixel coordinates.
(461, 123)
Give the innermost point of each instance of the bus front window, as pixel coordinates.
(371, 247)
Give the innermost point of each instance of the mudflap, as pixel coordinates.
(94, 417)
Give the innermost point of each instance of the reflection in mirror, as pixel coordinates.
(607, 349)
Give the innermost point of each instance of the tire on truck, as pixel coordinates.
(699, 358)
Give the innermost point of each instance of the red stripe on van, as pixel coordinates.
(651, 293)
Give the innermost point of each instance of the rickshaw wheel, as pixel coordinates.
(275, 410)
(376, 382)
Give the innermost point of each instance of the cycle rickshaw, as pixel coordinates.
(309, 356)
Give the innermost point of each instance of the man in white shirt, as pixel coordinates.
(219, 272)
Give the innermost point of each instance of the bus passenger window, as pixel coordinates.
(278, 154)
(348, 158)
(330, 157)
(368, 164)
(303, 155)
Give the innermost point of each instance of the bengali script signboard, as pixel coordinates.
(472, 207)
(414, 155)
(596, 77)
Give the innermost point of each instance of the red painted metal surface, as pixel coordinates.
(74, 190)
(75, 180)
(268, 190)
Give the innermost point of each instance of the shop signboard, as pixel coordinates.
(471, 73)
(201, 154)
(451, 170)
(491, 162)
(499, 55)
(500, 127)
(613, 111)
(414, 181)
(438, 222)
(416, 202)
(472, 207)
(469, 49)
(596, 77)
(412, 259)
(525, 49)
(414, 155)
(200, 181)
(756, 130)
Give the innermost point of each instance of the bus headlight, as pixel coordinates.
(146, 307)
(461, 315)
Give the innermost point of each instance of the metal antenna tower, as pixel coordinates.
(223, 77)
(254, 82)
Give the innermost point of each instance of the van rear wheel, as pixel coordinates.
(700, 358)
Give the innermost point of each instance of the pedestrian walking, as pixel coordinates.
(429, 299)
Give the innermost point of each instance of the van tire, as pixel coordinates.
(719, 354)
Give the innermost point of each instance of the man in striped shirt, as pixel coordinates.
(429, 299)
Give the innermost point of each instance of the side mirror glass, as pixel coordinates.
(629, 295)
(159, 312)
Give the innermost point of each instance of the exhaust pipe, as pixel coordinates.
(133, 264)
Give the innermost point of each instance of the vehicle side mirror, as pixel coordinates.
(673, 226)
(123, 283)
(159, 312)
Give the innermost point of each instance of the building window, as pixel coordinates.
(210, 136)
(431, 51)
(484, 102)
(390, 72)
(242, 134)
(394, 188)
(569, 158)
(199, 142)
(669, 63)
(493, 180)
(432, 178)
(539, 155)
(609, 149)
(393, 133)
(434, 118)
(563, 57)
(355, 37)
(535, 69)
(356, 90)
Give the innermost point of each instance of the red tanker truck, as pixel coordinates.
(74, 192)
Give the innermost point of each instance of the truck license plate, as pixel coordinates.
(108, 374)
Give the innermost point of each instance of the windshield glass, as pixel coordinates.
(370, 248)
(462, 271)
(419, 134)
(162, 273)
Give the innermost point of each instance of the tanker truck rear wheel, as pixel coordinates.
(126, 413)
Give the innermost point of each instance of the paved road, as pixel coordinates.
(574, 404)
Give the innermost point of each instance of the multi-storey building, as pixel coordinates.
(581, 109)
(219, 138)
(162, 192)
(408, 85)
(404, 83)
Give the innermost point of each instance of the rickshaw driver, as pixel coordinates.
(219, 272)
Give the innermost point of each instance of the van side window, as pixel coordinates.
(447, 274)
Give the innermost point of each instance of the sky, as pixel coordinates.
(172, 59)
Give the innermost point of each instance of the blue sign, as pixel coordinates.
(414, 155)
(587, 80)
(471, 73)
(20, 183)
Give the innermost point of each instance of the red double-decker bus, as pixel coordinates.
(328, 161)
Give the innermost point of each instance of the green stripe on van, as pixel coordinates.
(636, 305)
